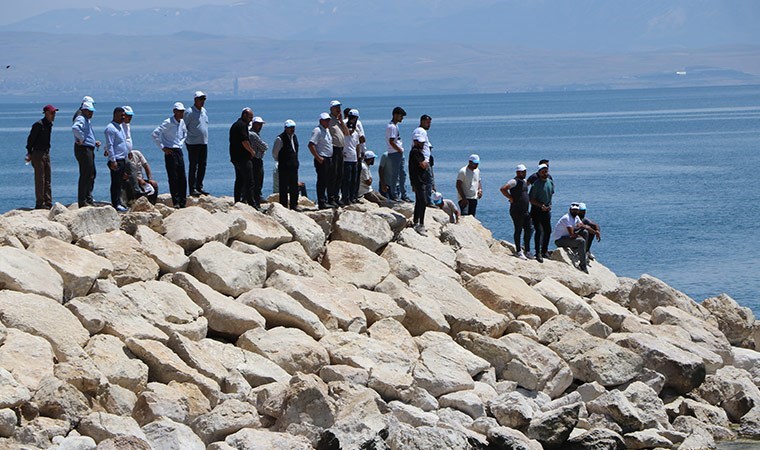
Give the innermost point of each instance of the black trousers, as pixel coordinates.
(175, 171)
(334, 182)
(542, 222)
(196, 156)
(521, 221)
(85, 156)
(288, 184)
(470, 208)
(257, 166)
(323, 179)
(349, 179)
(244, 181)
(117, 178)
(420, 204)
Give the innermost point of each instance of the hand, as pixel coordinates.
(97, 144)
(105, 153)
(112, 165)
(480, 193)
(28, 157)
(462, 203)
(167, 151)
(320, 159)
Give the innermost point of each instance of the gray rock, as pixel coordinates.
(101, 426)
(553, 428)
(12, 393)
(252, 439)
(227, 271)
(366, 230)
(596, 439)
(227, 418)
(166, 433)
(425, 438)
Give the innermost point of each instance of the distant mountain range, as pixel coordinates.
(305, 48)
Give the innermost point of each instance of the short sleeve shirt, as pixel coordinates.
(470, 180)
(136, 162)
(321, 138)
(451, 209)
(420, 135)
(365, 176)
(560, 229)
(391, 131)
(349, 150)
(238, 135)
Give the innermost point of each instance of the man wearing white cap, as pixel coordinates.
(516, 191)
(448, 206)
(241, 156)
(170, 136)
(420, 135)
(196, 121)
(351, 160)
(84, 151)
(469, 187)
(541, 193)
(338, 133)
(365, 181)
(321, 147)
(285, 152)
(116, 147)
(78, 112)
(259, 148)
(569, 233)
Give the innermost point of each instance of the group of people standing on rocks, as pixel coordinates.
(530, 208)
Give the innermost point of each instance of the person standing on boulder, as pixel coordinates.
(259, 148)
(116, 145)
(418, 179)
(540, 195)
(420, 135)
(285, 152)
(469, 187)
(196, 121)
(84, 151)
(338, 132)
(38, 153)
(241, 156)
(516, 191)
(397, 181)
(321, 147)
(569, 233)
(170, 136)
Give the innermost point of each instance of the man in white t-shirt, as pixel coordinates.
(469, 187)
(420, 136)
(365, 181)
(397, 183)
(569, 233)
(351, 160)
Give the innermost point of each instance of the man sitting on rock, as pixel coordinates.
(593, 228)
(569, 233)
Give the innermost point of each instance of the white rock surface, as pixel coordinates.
(169, 256)
(24, 271)
(227, 271)
(130, 262)
(192, 227)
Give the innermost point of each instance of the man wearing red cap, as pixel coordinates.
(38, 153)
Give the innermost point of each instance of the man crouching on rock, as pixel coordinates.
(570, 233)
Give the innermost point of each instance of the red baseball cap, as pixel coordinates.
(49, 108)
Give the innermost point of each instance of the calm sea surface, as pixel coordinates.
(670, 174)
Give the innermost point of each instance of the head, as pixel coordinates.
(543, 171)
(473, 162)
(179, 111)
(425, 121)
(87, 110)
(574, 208)
(521, 171)
(582, 210)
(128, 113)
(369, 157)
(49, 112)
(258, 124)
(199, 100)
(335, 108)
(290, 127)
(118, 114)
(398, 114)
(353, 118)
(324, 120)
(544, 161)
(246, 115)
(438, 199)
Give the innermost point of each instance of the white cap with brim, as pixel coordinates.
(258, 119)
(324, 116)
(542, 166)
(88, 106)
(290, 123)
(199, 94)
(369, 154)
(354, 113)
(437, 198)
(475, 159)
(575, 205)
(334, 103)
(582, 206)
(521, 168)
(128, 110)
(87, 99)
(178, 106)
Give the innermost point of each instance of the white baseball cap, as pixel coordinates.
(334, 103)
(179, 106)
(88, 106)
(582, 206)
(258, 119)
(575, 205)
(369, 154)
(437, 198)
(128, 110)
(324, 116)
(475, 159)
(87, 99)
(290, 123)
(199, 94)
(354, 113)
(521, 168)
(542, 166)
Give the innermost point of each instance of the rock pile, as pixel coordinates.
(221, 327)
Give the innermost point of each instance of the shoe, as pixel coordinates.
(545, 255)
(539, 258)
(431, 205)
(584, 269)
(203, 192)
(420, 229)
(332, 205)
(591, 257)
(322, 206)
(407, 199)
(121, 208)
(195, 193)
(522, 256)
(529, 255)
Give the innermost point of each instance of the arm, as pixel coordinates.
(182, 133)
(146, 166)
(392, 137)
(247, 146)
(461, 192)
(33, 134)
(505, 191)
(480, 189)
(343, 126)
(156, 134)
(76, 128)
(313, 150)
(276, 147)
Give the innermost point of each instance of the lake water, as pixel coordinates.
(668, 173)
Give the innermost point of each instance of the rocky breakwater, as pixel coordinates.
(220, 327)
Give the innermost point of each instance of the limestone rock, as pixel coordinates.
(252, 439)
(39, 432)
(78, 267)
(289, 348)
(58, 325)
(117, 400)
(514, 409)
(281, 310)
(700, 331)
(408, 264)
(12, 393)
(116, 362)
(192, 227)
(130, 262)
(28, 226)
(649, 293)
(169, 256)
(444, 366)
(60, 400)
(101, 426)
(88, 221)
(196, 356)
(412, 415)
(366, 230)
(227, 418)
(308, 409)
(734, 321)
(749, 426)
(210, 203)
(597, 439)
(461, 235)
(24, 271)
(650, 407)
(225, 315)
(323, 297)
(395, 220)
(508, 294)
(428, 245)
(72, 442)
(166, 433)
(748, 360)
(342, 372)
(28, 358)
(611, 313)
(179, 402)
(567, 302)
(235, 222)
(168, 308)
(149, 219)
(355, 264)
(366, 353)
(256, 369)
(227, 271)
(325, 218)
(421, 314)
(304, 230)
(261, 230)
(124, 443)
(425, 437)
(552, 428)
(115, 314)
(359, 419)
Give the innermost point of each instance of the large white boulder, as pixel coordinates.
(168, 307)
(280, 309)
(367, 230)
(29, 226)
(407, 264)
(355, 264)
(289, 348)
(166, 433)
(261, 230)
(90, 220)
(27, 357)
(510, 295)
(649, 292)
(304, 230)
(193, 226)
(227, 271)
(24, 271)
(111, 356)
(130, 262)
(169, 256)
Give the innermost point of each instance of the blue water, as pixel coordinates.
(669, 173)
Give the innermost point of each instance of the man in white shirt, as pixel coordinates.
(397, 183)
(351, 160)
(321, 147)
(196, 121)
(469, 187)
(170, 136)
(569, 233)
(420, 136)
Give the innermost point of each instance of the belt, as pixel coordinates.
(90, 147)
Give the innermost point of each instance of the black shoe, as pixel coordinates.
(195, 193)
(539, 258)
(407, 199)
(332, 205)
(322, 206)
(545, 255)
(203, 192)
(584, 269)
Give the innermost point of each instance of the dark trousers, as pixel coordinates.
(288, 184)
(420, 204)
(244, 181)
(349, 179)
(542, 223)
(355, 186)
(40, 160)
(334, 182)
(323, 179)
(521, 221)
(578, 243)
(85, 156)
(429, 184)
(196, 157)
(175, 171)
(470, 208)
(117, 178)
(257, 166)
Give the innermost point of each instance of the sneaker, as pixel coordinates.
(522, 256)
(591, 256)
(195, 193)
(323, 206)
(121, 208)
(420, 229)
(529, 255)
(539, 258)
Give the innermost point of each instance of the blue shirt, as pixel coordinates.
(322, 140)
(170, 134)
(83, 133)
(116, 143)
(196, 122)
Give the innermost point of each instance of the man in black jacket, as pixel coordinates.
(285, 152)
(38, 153)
